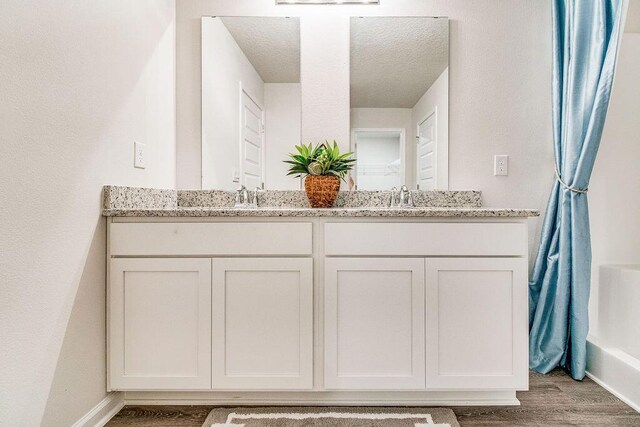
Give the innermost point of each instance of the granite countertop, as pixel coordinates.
(147, 202)
(332, 212)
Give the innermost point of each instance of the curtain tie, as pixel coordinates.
(568, 187)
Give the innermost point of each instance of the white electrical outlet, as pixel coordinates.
(501, 165)
(139, 155)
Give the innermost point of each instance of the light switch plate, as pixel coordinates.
(501, 165)
(139, 155)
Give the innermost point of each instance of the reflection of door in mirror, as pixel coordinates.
(251, 101)
(252, 132)
(426, 153)
(399, 79)
(380, 164)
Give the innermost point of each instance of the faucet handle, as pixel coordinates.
(406, 199)
(254, 202)
(245, 195)
(392, 199)
(241, 196)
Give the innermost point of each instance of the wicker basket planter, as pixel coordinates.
(322, 190)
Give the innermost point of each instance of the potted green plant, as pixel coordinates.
(323, 166)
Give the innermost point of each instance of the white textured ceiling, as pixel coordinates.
(271, 44)
(394, 60)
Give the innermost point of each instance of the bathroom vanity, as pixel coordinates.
(360, 304)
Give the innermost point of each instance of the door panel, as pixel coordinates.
(374, 323)
(427, 146)
(477, 323)
(160, 324)
(263, 323)
(251, 149)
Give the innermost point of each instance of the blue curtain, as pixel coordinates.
(585, 44)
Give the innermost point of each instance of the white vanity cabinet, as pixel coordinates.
(470, 332)
(389, 311)
(219, 318)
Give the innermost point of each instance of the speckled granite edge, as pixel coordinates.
(117, 197)
(346, 199)
(334, 212)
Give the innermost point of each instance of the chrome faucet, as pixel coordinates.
(406, 199)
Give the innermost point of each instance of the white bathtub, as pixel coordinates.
(613, 352)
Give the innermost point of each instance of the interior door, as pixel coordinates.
(252, 143)
(427, 146)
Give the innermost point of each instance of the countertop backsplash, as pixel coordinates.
(116, 197)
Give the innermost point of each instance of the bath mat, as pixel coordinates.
(306, 416)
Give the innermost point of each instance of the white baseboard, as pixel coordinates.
(340, 398)
(615, 371)
(103, 411)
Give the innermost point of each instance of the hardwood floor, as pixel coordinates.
(552, 400)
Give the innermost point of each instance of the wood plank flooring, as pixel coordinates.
(552, 400)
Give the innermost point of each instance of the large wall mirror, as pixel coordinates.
(251, 103)
(400, 102)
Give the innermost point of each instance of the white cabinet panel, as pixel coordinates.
(374, 323)
(426, 239)
(210, 238)
(263, 323)
(476, 323)
(160, 324)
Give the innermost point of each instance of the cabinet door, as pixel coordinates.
(477, 329)
(160, 324)
(262, 323)
(374, 323)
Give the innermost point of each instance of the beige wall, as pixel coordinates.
(81, 80)
(633, 17)
(499, 98)
(282, 132)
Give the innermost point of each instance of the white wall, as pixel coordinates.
(435, 99)
(282, 131)
(377, 152)
(499, 97)
(225, 68)
(614, 193)
(324, 73)
(381, 118)
(396, 118)
(81, 80)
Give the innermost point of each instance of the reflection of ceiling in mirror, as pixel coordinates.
(271, 44)
(394, 60)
